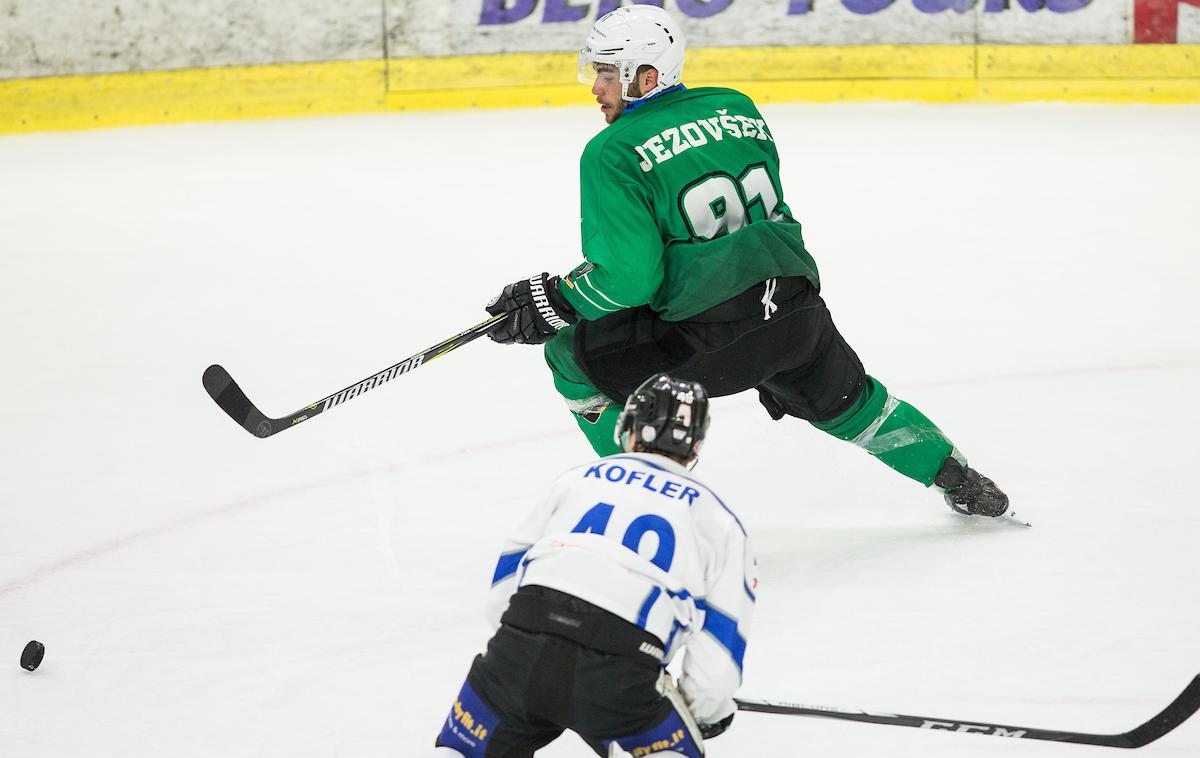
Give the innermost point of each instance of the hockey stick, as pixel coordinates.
(233, 401)
(1180, 709)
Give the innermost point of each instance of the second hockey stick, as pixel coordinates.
(1180, 709)
(229, 396)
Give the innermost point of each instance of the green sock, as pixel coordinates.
(600, 432)
(594, 411)
(893, 431)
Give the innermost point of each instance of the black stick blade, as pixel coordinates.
(230, 398)
(1180, 710)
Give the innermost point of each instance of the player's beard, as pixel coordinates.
(613, 112)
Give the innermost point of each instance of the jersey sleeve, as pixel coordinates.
(712, 662)
(507, 575)
(622, 245)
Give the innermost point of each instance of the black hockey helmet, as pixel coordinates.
(665, 415)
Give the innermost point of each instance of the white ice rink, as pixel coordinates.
(1026, 275)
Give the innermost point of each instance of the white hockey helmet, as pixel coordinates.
(631, 37)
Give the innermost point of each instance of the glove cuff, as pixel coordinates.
(709, 731)
(550, 303)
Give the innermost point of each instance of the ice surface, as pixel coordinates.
(1024, 274)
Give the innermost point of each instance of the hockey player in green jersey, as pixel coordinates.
(694, 265)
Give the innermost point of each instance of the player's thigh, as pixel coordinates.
(478, 730)
(621, 351)
(489, 718)
(740, 355)
(617, 698)
(618, 352)
(826, 379)
(732, 353)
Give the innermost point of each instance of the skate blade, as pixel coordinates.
(1012, 518)
(1008, 517)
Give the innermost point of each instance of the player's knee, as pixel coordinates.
(868, 409)
(572, 383)
(843, 414)
(616, 751)
(469, 727)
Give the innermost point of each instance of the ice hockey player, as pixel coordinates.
(629, 560)
(693, 265)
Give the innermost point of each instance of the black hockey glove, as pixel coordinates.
(536, 311)
(708, 731)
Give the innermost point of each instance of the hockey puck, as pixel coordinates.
(31, 656)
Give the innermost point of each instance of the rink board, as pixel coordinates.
(934, 73)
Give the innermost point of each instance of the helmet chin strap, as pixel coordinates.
(628, 74)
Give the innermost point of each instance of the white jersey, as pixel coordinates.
(638, 535)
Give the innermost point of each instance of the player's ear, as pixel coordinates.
(649, 79)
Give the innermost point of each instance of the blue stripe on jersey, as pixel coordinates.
(508, 565)
(746, 586)
(693, 481)
(644, 613)
(682, 594)
(724, 630)
(675, 627)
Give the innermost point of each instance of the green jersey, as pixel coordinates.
(682, 208)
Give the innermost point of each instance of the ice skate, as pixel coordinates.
(969, 492)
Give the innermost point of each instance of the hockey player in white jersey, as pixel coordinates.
(629, 560)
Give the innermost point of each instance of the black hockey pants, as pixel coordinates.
(535, 682)
(777, 336)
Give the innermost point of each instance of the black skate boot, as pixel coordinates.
(968, 491)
